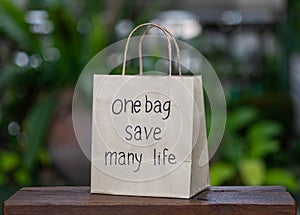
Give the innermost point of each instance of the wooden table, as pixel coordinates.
(216, 200)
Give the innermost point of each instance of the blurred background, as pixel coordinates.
(254, 46)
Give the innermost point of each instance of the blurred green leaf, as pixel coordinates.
(253, 171)
(3, 178)
(233, 147)
(9, 161)
(261, 137)
(13, 24)
(22, 177)
(264, 130)
(241, 117)
(260, 148)
(37, 124)
(43, 157)
(221, 172)
(97, 37)
(67, 40)
(277, 176)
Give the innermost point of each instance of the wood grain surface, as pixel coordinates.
(214, 201)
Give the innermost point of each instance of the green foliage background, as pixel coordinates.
(260, 146)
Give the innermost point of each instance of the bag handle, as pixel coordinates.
(167, 33)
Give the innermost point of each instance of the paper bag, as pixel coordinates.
(148, 135)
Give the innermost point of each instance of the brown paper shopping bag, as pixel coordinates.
(148, 133)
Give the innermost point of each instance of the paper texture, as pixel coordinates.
(149, 136)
